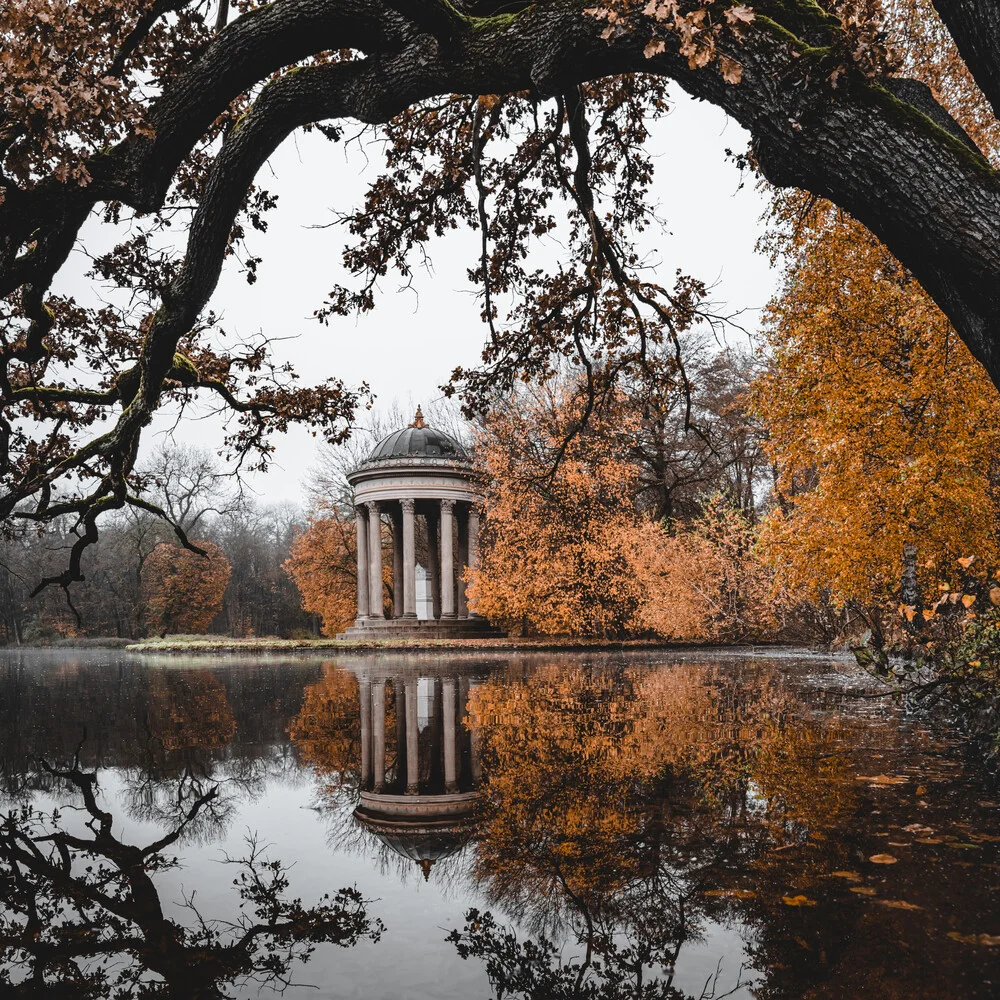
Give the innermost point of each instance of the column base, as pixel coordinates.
(421, 628)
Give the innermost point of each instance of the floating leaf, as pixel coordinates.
(966, 562)
(798, 901)
(863, 890)
(928, 840)
(883, 779)
(852, 875)
(990, 940)
(921, 789)
(899, 904)
(731, 893)
(883, 859)
(918, 828)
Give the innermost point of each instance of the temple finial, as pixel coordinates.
(418, 419)
(425, 866)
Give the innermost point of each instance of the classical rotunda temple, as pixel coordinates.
(417, 478)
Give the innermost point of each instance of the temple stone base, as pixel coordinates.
(422, 628)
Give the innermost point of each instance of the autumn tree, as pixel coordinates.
(185, 587)
(880, 421)
(518, 122)
(557, 552)
(324, 565)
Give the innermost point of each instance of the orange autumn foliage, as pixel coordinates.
(184, 590)
(323, 564)
(558, 548)
(881, 424)
(569, 552)
(705, 581)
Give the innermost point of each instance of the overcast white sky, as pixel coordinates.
(408, 346)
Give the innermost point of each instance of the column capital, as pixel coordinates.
(407, 503)
(448, 505)
(374, 506)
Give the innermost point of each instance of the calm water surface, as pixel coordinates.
(606, 826)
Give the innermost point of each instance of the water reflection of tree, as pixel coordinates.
(618, 805)
(82, 916)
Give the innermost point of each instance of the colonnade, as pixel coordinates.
(442, 759)
(442, 516)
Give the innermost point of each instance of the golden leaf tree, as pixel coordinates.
(558, 553)
(184, 589)
(323, 564)
(881, 423)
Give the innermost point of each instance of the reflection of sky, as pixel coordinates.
(412, 961)
(264, 790)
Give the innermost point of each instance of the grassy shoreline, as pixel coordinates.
(222, 644)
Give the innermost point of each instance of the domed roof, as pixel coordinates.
(418, 441)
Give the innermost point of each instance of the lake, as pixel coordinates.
(418, 826)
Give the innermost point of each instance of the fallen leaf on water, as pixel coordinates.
(883, 779)
(918, 828)
(921, 790)
(862, 890)
(989, 805)
(963, 847)
(986, 939)
(928, 840)
(896, 843)
(731, 893)
(985, 836)
(798, 901)
(883, 859)
(899, 904)
(853, 875)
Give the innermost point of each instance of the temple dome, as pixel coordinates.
(418, 441)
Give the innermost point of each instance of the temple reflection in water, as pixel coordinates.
(420, 771)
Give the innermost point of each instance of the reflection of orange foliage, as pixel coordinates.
(184, 589)
(327, 730)
(188, 709)
(568, 755)
(577, 761)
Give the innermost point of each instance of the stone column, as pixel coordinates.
(434, 558)
(375, 561)
(464, 761)
(409, 561)
(397, 564)
(397, 687)
(378, 718)
(412, 745)
(463, 558)
(447, 560)
(448, 711)
(474, 763)
(365, 694)
(473, 559)
(361, 520)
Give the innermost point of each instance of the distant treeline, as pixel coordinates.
(115, 598)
